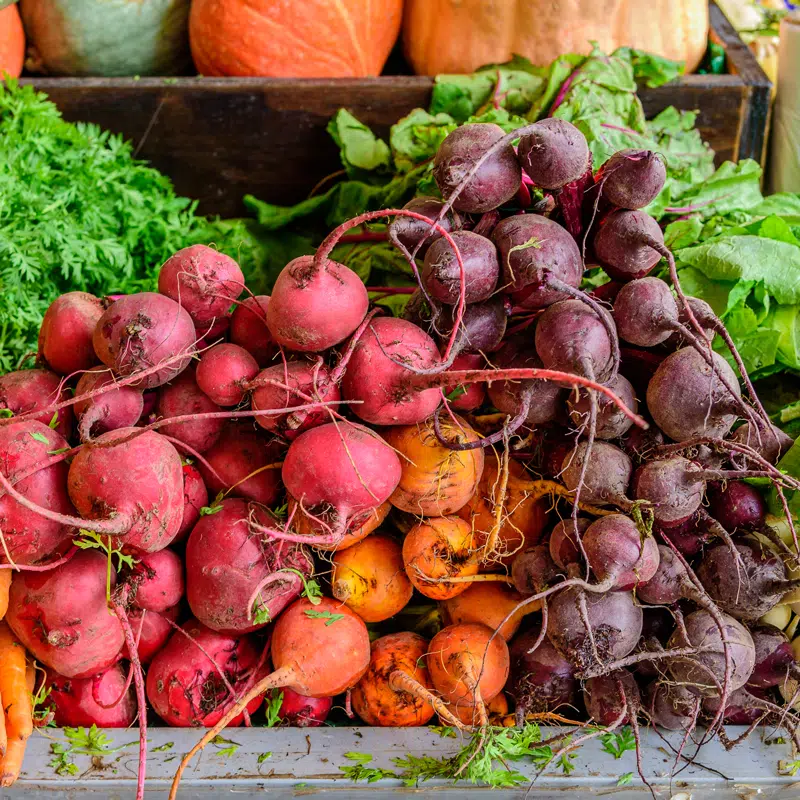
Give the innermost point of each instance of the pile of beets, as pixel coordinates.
(184, 470)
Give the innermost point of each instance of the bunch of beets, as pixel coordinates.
(192, 458)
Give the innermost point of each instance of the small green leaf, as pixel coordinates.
(40, 437)
(6, 413)
(263, 757)
(163, 748)
(312, 613)
(59, 451)
(53, 420)
(206, 511)
(311, 588)
(625, 779)
(618, 743)
(459, 391)
(225, 747)
(273, 708)
(261, 615)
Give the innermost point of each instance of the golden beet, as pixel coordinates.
(369, 578)
(467, 665)
(469, 715)
(523, 518)
(435, 481)
(389, 693)
(439, 547)
(488, 604)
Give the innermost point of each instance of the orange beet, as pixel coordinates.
(435, 481)
(360, 526)
(378, 699)
(439, 547)
(488, 604)
(469, 715)
(464, 664)
(369, 578)
(324, 646)
(524, 517)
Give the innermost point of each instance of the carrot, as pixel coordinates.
(3, 738)
(5, 585)
(16, 700)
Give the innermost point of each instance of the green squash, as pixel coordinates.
(107, 37)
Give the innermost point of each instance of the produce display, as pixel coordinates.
(543, 490)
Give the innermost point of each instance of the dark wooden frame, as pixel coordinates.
(220, 138)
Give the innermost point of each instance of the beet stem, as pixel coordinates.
(281, 677)
(141, 699)
(455, 377)
(114, 526)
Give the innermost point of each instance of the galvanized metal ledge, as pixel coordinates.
(305, 762)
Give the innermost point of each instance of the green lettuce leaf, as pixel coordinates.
(733, 187)
(749, 258)
(417, 136)
(360, 150)
(515, 86)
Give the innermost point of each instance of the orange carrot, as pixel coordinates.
(16, 701)
(5, 585)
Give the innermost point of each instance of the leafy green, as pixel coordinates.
(360, 150)
(272, 709)
(617, 743)
(417, 136)
(328, 616)
(486, 762)
(360, 771)
(744, 260)
(79, 212)
(80, 741)
(225, 747)
(625, 779)
(515, 86)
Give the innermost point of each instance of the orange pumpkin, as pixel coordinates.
(461, 35)
(293, 38)
(12, 42)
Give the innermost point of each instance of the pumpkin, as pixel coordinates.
(12, 42)
(107, 37)
(461, 35)
(293, 38)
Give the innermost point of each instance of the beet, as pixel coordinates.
(753, 589)
(667, 484)
(621, 244)
(540, 680)
(534, 250)
(140, 331)
(605, 703)
(632, 178)
(611, 422)
(685, 399)
(670, 705)
(701, 672)
(615, 619)
(441, 275)
(608, 473)
(496, 180)
(414, 233)
(572, 338)
(554, 153)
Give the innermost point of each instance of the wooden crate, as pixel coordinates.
(220, 138)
